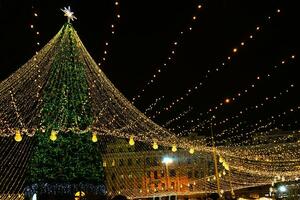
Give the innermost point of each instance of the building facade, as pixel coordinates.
(144, 172)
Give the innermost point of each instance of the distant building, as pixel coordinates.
(135, 172)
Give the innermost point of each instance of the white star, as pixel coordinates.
(68, 13)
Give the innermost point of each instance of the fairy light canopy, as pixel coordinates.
(48, 93)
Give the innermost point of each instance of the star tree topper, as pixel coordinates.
(68, 13)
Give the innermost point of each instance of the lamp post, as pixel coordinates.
(167, 161)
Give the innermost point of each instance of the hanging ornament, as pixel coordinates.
(174, 148)
(131, 141)
(155, 145)
(53, 135)
(192, 150)
(94, 137)
(18, 136)
(221, 160)
(226, 166)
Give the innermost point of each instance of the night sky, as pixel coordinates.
(145, 36)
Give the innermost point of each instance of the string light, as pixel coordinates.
(222, 65)
(171, 56)
(113, 28)
(34, 27)
(239, 94)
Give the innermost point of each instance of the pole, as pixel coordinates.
(215, 161)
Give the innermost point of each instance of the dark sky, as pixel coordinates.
(144, 38)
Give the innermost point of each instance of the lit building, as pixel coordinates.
(135, 172)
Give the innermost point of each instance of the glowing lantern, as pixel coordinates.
(131, 141)
(94, 137)
(226, 166)
(192, 150)
(174, 148)
(53, 135)
(221, 159)
(18, 136)
(155, 145)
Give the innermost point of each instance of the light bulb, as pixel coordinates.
(131, 141)
(18, 136)
(192, 150)
(221, 159)
(174, 148)
(53, 135)
(94, 137)
(155, 145)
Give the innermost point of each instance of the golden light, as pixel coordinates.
(131, 141)
(155, 145)
(94, 137)
(174, 148)
(79, 194)
(235, 50)
(227, 100)
(18, 136)
(192, 150)
(53, 135)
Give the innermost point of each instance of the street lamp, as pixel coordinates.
(167, 160)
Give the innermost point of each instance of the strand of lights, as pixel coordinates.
(178, 117)
(151, 106)
(239, 94)
(113, 28)
(171, 55)
(260, 124)
(234, 52)
(34, 27)
(243, 111)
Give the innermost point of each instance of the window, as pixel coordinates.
(172, 185)
(155, 162)
(148, 162)
(190, 174)
(197, 174)
(104, 164)
(172, 173)
(148, 174)
(113, 163)
(113, 176)
(162, 173)
(155, 175)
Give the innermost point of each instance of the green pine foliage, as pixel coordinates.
(73, 157)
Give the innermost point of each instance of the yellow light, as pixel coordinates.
(94, 137)
(18, 136)
(235, 50)
(174, 148)
(79, 194)
(226, 166)
(227, 100)
(221, 160)
(192, 150)
(131, 141)
(155, 145)
(53, 135)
